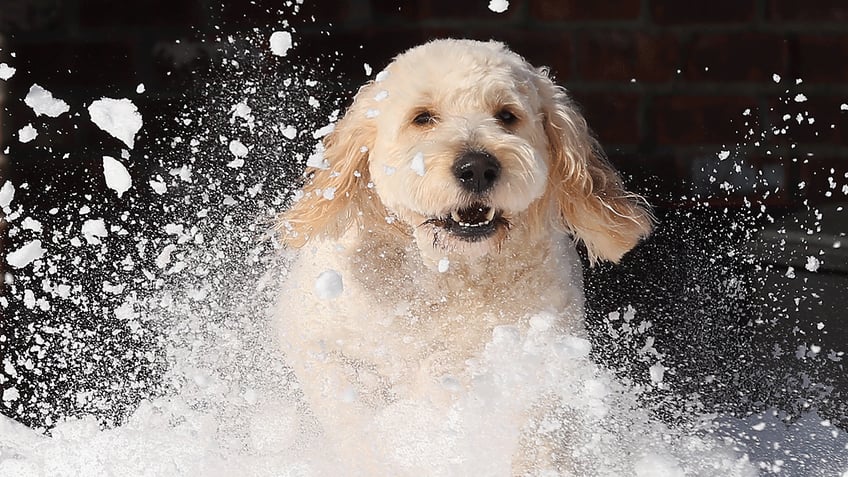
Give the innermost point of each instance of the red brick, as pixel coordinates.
(109, 13)
(576, 10)
(672, 12)
(614, 117)
(822, 58)
(746, 56)
(835, 11)
(693, 120)
(623, 55)
(554, 49)
(243, 15)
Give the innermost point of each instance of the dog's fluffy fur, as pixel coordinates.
(421, 291)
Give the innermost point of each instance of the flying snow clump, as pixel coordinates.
(42, 102)
(25, 255)
(6, 71)
(281, 42)
(117, 176)
(27, 133)
(7, 193)
(498, 6)
(329, 285)
(118, 117)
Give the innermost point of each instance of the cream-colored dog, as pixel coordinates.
(448, 203)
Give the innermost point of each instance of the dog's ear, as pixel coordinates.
(585, 190)
(335, 193)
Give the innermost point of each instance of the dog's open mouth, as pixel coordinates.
(472, 224)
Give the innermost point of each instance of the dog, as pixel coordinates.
(448, 201)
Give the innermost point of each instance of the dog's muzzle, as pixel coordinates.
(472, 224)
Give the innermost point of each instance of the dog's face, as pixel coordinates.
(459, 153)
(457, 143)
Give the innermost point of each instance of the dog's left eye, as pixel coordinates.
(423, 118)
(506, 117)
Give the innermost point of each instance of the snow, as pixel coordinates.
(281, 42)
(7, 194)
(93, 230)
(813, 264)
(140, 88)
(117, 176)
(776, 78)
(417, 164)
(42, 102)
(26, 254)
(800, 98)
(328, 285)
(443, 265)
(27, 133)
(6, 71)
(118, 117)
(498, 6)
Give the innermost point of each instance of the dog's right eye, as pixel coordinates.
(423, 118)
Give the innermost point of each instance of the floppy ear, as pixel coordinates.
(337, 196)
(584, 188)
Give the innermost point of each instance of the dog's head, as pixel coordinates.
(463, 144)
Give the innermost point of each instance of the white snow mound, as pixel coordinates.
(42, 102)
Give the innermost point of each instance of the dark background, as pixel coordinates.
(663, 83)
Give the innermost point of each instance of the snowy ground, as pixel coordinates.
(184, 278)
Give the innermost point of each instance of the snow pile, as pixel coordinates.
(118, 117)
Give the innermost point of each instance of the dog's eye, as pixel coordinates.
(424, 118)
(506, 117)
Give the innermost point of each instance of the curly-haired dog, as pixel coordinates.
(448, 203)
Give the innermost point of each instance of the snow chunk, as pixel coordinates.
(140, 89)
(238, 149)
(7, 194)
(118, 117)
(281, 42)
(93, 230)
(367, 69)
(42, 102)
(158, 186)
(6, 71)
(329, 193)
(723, 155)
(381, 76)
(813, 264)
(417, 164)
(328, 285)
(164, 257)
(290, 132)
(498, 6)
(27, 133)
(321, 132)
(444, 264)
(776, 78)
(117, 176)
(843, 107)
(11, 394)
(25, 255)
(800, 98)
(657, 373)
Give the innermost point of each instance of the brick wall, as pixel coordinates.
(664, 83)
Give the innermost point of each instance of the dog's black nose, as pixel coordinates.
(477, 171)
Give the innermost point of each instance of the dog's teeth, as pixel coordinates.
(456, 218)
(490, 215)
